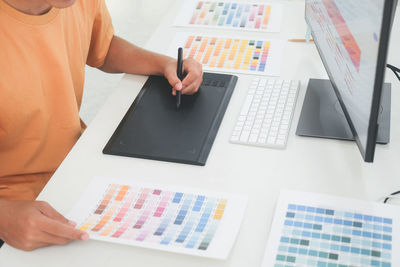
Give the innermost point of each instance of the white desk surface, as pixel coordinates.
(315, 165)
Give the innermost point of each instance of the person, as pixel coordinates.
(44, 46)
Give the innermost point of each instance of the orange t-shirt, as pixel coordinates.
(42, 70)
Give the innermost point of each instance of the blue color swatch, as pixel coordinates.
(315, 236)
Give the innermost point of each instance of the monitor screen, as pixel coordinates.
(348, 36)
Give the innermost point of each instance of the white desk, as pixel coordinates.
(326, 166)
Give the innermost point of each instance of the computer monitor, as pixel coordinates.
(352, 38)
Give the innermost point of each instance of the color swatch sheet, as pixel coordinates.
(319, 230)
(228, 54)
(249, 16)
(166, 218)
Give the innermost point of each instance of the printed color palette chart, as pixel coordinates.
(227, 54)
(318, 230)
(172, 219)
(249, 16)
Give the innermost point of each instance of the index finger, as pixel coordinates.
(50, 212)
(189, 79)
(57, 228)
(194, 71)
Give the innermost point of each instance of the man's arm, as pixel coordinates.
(125, 57)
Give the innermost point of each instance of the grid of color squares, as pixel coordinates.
(156, 216)
(228, 53)
(314, 236)
(235, 15)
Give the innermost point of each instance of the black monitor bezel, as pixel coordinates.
(369, 151)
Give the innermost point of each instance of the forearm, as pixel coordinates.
(3, 216)
(128, 58)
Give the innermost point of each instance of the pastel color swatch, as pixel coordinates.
(253, 16)
(153, 215)
(228, 54)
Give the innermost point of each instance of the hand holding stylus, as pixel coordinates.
(193, 76)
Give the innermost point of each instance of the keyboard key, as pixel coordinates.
(236, 133)
(244, 136)
(253, 138)
(246, 106)
(280, 142)
(271, 140)
(238, 128)
(242, 118)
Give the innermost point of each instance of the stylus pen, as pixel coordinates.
(180, 76)
(300, 40)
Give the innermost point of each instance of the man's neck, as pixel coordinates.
(30, 7)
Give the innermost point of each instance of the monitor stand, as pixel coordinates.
(323, 117)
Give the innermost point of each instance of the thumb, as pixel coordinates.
(50, 212)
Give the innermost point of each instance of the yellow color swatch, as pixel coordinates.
(222, 59)
(240, 54)
(234, 49)
(247, 58)
(220, 209)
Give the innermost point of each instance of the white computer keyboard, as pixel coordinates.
(266, 113)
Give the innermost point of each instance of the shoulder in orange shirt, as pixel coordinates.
(42, 65)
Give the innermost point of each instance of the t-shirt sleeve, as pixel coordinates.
(102, 34)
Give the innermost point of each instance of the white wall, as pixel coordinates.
(135, 21)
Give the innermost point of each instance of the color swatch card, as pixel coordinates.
(166, 218)
(249, 16)
(227, 54)
(319, 230)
